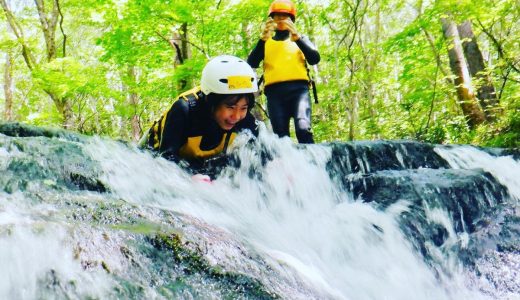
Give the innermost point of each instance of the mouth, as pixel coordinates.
(230, 124)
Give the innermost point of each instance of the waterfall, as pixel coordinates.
(366, 220)
(503, 168)
(292, 211)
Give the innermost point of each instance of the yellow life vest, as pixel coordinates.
(283, 61)
(157, 128)
(192, 147)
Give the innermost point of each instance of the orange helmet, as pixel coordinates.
(283, 6)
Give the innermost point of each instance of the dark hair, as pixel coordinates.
(215, 100)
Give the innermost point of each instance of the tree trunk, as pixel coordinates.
(486, 91)
(466, 95)
(180, 43)
(186, 53)
(353, 116)
(353, 103)
(185, 46)
(8, 81)
(64, 107)
(49, 20)
(358, 12)
(372, 61)
(8, 87)
(133, 101)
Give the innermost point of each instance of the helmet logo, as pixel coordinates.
(239, 82)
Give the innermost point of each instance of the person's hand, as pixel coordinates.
(269, 27)
(292, 29)
(201, 178)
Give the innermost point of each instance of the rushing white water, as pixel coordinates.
(297, 216)
(503, 168)
(32, 247)
(502, 269)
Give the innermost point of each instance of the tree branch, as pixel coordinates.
(18, 32)
(184, 40)
(498, 45)
(57, 3)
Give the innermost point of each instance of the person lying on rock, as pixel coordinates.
(203, 122)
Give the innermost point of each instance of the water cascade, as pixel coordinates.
(86, 217)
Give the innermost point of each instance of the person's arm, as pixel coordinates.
(175, 130)
(312, 56)
(257, 54)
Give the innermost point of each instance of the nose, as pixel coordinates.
(235, 114)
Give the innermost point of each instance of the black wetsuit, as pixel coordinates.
(288, 99)
(190, 132)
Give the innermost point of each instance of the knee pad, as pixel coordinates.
(302, 125)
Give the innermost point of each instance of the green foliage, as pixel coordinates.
(506, 131)
(384, 64)
(63, 77)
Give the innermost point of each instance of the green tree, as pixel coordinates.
(111, 67)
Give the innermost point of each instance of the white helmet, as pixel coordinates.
(227, 74)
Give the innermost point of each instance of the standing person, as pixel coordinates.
(203, 121)
(285, 72)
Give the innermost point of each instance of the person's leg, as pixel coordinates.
(278, 114)
(302, 117)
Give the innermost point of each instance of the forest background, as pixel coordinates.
(434, 71)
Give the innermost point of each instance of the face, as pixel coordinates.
(280, 19)
(227, 115)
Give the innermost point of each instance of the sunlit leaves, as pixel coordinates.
(395, 65)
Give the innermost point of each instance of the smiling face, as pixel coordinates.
(230, 111)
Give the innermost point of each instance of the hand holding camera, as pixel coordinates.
(289, 25)
(269, 27)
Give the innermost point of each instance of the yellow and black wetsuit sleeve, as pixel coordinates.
(175, 130)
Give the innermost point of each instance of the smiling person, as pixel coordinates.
(203, 121)
(285, 57)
